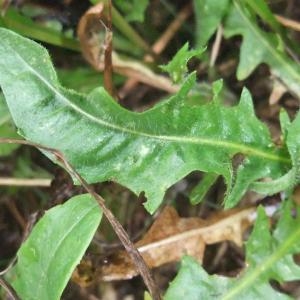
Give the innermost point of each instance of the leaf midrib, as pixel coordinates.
(40, 283)
(287, 66)
(266, 265)
(191, 140)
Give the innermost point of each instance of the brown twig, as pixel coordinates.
(159, 46)
(162, 42)
(288, 23)
(16, 213)
(119, 230)
(108, 67)
(216, 46)
(9, 289)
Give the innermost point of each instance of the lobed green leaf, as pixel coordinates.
(177, 67)
(259, 47)
(269, 256)
(146, 151)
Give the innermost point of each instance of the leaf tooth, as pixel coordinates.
(246, 102)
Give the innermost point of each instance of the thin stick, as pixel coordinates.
(108, 68)
(288, 22)
(172, 29)
(119, 230)
(10, 181)
(157, 48)
(9, 289)
(216, 46)
(16, 213)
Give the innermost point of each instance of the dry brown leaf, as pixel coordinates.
(91, 32)
(277, 92)
(170, 237)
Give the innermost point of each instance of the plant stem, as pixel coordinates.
(124, 27)
(9, 289)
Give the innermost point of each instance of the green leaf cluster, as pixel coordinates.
(269, 256)
(258, 46)
(150, 151)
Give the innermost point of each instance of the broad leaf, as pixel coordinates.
(48, 257)
(268, 257)
(259, 47)
(146, 151)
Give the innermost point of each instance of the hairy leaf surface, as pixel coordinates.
(146, 151)
(47, 258)
(269, 256)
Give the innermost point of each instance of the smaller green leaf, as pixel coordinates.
(259, 46)
(209, 14)
(177, 67)
(54, 248)
(217, 88)
(25, 26)
(134, 10)
(268, 256)
(262, 9)
(201, 189)
(191, 283)
(285, 123)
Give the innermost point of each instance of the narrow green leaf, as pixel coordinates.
(268, 257)
(134, 10)
(177, 67)
(262, 9)
(24, 25)
(201, 189)
(54, 248)
(146, 151)
(209, 14)
(260, 47)
(293, 144)
(285, 123)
